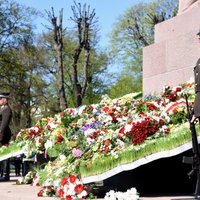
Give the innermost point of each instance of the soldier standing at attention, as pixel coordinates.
(197, 88)
(5, 133)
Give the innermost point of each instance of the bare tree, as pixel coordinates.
(85, 21)
(58, 46)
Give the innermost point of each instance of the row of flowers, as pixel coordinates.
(86, 133)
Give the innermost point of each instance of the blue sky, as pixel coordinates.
(107, 11)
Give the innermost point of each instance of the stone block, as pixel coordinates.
(171, 59)
(181, 24)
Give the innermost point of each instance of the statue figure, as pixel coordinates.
(185, 4)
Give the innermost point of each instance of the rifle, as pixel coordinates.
(195, 159)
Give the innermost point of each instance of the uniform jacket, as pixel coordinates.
(197, 76)
(5, 118)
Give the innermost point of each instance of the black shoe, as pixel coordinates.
(4, 178)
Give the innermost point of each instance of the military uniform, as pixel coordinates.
(197, 89)
(5, 117)
(5, 135)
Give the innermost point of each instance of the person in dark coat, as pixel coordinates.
(5, 132)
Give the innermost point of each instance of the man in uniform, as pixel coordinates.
(197, 87)
(5, 132)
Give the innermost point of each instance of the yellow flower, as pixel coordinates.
(179, 109)
(58, 131)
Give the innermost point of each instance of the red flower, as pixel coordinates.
(105, 109)
(107, 142)
(40, 141)
(152, 107)
(37, 184)
(72, 179)
(79, 188)
(173, 96)
(63, 181)
(59, 139)
(175, 110)
(105, 149)
(178, 89)
(68, 197)
(167, 131)
(40, 193)
(161, 122)
(122, 130)
(141, 130)
(90, 107)
(60, 193)
(48, 127)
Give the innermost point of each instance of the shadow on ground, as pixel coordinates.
(166, 176)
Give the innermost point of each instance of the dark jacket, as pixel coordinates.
(5, 118)
(197, 76)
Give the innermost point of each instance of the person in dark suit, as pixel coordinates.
(5, 132)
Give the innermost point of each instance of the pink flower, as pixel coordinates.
(77, 152)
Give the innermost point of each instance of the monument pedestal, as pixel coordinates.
(171, 59)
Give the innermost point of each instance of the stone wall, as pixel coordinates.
(170, 60)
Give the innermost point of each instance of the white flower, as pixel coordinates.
(122, 119)
(48, 144)
(62, 158)
(37, 143)
(56, 183)
(128, 128)
(89, 131)
(71, 190)
(35, 128)
(130, 194)
(81, 109)
(90, 140)
(82, 194)
(48, 182)
(52, 125)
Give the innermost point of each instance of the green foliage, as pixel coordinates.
(56, 150)
(133, 31)
(13, 147)
(178, 117)
(125, 85)
(15, 23)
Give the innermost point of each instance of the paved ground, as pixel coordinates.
(10, 191)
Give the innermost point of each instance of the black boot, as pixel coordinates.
(4, 178)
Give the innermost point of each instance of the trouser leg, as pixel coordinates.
(6, 167)
(17, 167)
(1, 168)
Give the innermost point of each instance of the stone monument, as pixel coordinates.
(185, 5)
(172, 57)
